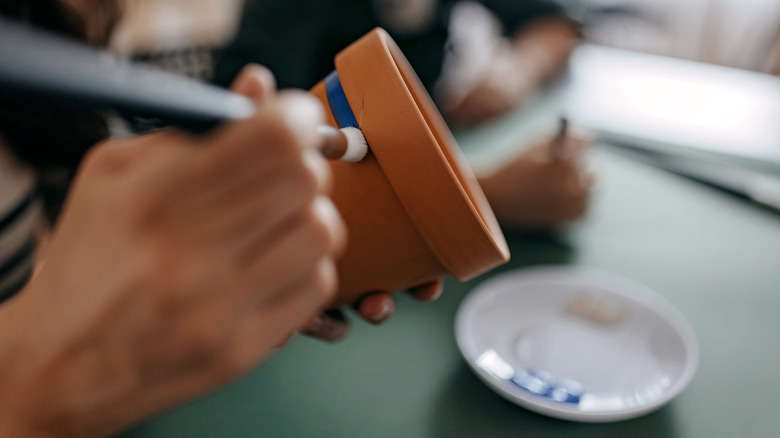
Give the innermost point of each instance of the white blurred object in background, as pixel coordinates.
(737, 33)
(158, 25)
(676, 106)
(406, 16)
(178, 36)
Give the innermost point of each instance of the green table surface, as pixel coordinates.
(712, 255)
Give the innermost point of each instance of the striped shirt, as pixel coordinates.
(21, 215)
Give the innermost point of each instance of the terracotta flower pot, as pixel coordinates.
(413, 208)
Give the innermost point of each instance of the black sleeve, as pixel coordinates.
(295, 39)
(298, 39)
(514, 14)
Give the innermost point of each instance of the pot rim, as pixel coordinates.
(438, 184)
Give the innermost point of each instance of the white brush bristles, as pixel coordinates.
(357, 147)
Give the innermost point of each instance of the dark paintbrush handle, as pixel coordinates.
(39, 66)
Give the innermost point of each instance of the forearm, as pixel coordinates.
(22, 400)
(544, 47)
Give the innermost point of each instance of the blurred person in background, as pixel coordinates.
(479, 60)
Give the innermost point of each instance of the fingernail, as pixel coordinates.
(314, 325)
(439, 291)
(384, 312)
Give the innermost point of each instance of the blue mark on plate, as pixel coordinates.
(546, 385)
(540, 383)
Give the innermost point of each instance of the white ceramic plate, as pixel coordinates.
(576, 343)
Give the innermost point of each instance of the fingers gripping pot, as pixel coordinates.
(413, 208)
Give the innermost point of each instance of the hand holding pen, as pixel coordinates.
(544, 188)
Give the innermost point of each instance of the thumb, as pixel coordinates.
(256, 82)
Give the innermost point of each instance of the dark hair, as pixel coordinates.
(51, 138)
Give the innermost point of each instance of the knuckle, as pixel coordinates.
(319, 285)
(276, 137)
(324, 282)
(324, 228)
(190, 336)
(318, 236)
(283, 128)
(197, 344)
(301, 110)
(147, 207)
(262, 142)
(335, 226)
(319, 169)
(103, 158)
(304, 179)
(235, 361)
(176, 276)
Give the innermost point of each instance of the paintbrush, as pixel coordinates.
(36, 65)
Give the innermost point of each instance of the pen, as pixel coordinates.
(558, 146)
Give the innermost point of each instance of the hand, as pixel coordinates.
(375, 307)
(505, 84)
(178, 264)
(517, 68)
(538, 190)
